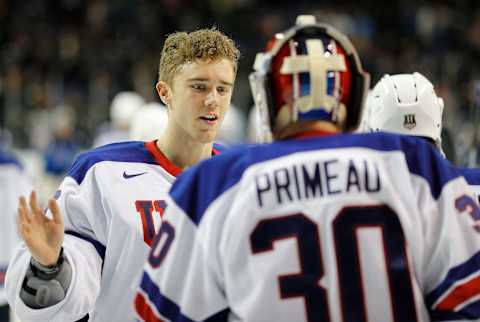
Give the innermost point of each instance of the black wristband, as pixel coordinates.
(47, 272)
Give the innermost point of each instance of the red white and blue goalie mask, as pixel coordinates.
(309, 72)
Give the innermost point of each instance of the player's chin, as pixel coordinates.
(207, 136)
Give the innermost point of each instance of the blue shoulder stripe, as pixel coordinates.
(196, 188)
(8, 158)
(133, 151)
(170, 309)
(472, 175)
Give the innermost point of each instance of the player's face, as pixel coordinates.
(200, 96)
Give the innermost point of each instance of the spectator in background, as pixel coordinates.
(5, 138)
(63, 146)
(122, 110)
(40, 134)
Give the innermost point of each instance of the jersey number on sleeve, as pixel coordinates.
(466, 203)
(306, 283)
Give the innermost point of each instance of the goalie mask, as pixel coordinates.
(405, 104)
(309, 72)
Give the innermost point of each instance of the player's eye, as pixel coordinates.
(199, 87)
(223, 90)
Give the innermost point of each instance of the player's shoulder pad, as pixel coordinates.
(132, 151)
(422, 158)
(7, 158)
(472, 175)
(196, 188)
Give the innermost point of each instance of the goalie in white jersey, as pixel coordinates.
(113, 196)
(319, 226)
(407, 104)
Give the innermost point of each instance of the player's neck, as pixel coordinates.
(182, 151)
(296, 129)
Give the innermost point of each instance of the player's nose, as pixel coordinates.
(212, 98)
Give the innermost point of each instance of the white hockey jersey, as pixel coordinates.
(14, 183)
(362, 227)
(112, 201)
(472, 175)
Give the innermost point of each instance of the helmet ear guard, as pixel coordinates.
(262, 84)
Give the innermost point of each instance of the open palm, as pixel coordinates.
(42, 235)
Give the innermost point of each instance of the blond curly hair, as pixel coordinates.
(182, 47)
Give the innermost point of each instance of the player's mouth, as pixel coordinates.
(210, 119)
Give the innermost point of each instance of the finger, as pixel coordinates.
(34, 202)
(23, 224)
(22, 203)
(57, 216)
(20, 220)
(23, 213)
(37, 211)
(24, 231)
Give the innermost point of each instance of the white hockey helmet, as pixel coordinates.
(123, 107)
(404, 104)
(149, 122)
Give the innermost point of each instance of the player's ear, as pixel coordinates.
(164, 92)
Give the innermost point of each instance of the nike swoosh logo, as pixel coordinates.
(128, 176)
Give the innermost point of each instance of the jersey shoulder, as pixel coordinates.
(197, 187)
(133, 151)
(421, 157)
(472, 175)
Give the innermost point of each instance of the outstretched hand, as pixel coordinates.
(42, 235)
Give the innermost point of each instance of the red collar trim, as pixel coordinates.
(311, 134)
(162, 159)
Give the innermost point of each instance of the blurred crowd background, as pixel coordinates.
(62, 62)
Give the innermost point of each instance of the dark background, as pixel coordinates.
(81, 53)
